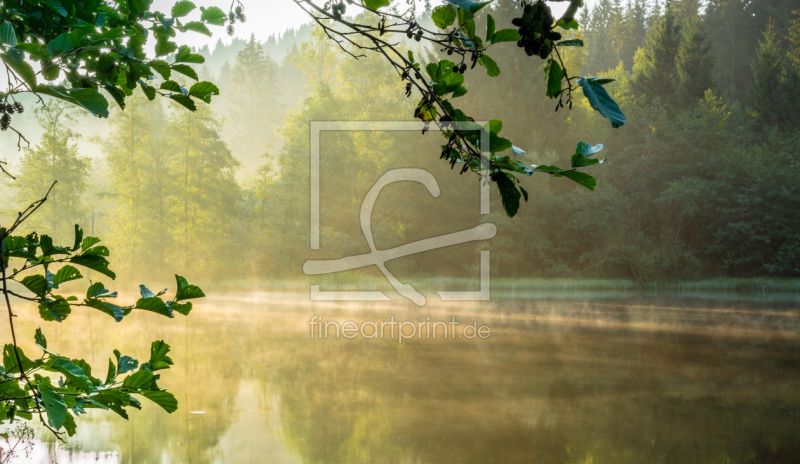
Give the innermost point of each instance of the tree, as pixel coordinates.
(694, 64)
(252, 102)
(654, 66)
(773, 92)
(94, 46)
(55, 158)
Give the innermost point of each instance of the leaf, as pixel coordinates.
(71, 371)
(98, 290)
(37, 284)
(162, 398)
(490, 28)
(66, 274)
(187, 291)
(7, 34)
(89, 99)
(154, 304)
(375, 4)
(59, 45)
(126, 364)
(203, 88)
(69, 424)
(55, 310)
(491, 67)
(185, 101)
(443, 16)
(588, 150)
(602, 102)
(141, 380)
(553, 76)
(571, 43)
(112, 373)
(54, 405)
(164, 46)
(573, 24)
(59, 8)
(186, 70)
(158, 356)
(10, 359)
(508, 193)
(22, 69)
(197, 26)
(41, 342)
(213, 15)
(506, 35)
(78, 237)
(171, 86)
(95, 263)
(182, 8)
(469, 5)
(580, 177)
(35, 49)
(181, 308)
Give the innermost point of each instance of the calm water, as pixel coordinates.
(589, 378)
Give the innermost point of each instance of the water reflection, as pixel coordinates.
(633, 379)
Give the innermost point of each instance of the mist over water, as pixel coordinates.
(602, 377)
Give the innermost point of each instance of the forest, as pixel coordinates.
(702, 182)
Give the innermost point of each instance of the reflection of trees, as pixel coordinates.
(545, 388)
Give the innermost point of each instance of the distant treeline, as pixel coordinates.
(701, 182)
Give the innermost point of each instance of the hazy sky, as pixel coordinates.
(264, 18)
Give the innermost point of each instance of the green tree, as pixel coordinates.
(56, 157)
(773, 92)
(654, 66)
(694, 63)
(252, 104)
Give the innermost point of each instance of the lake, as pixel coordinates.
(564, 377)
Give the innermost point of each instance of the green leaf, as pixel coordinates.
(111, 309)
(164, 46)
(66, 274)
(203, 88)
(7, 34)
(154, 304)
(162, 398)
(508, 193)
(490, 28)
(54, 405)
(59, 45)
(95, 263)
(58, 7)
(22, 69)
(56, 309)
(158, 356)
(41, 342)
(586, 149)
(181, 308)
(572, 24)
(35, 49)
(10, 360)
(375, 4)
(186, 70)
(187, 291)
(571, 43)
(98, 290)
(185, 101)
(213, 15)
(443, 16)
(505, 35)
(553, 76)
(580, 177)
(150, 92)
(89, 99)
(78, 237)
(185, 55)
(197, 26)
(182, 8)
(112, 373)
(602, 102)
(71, 372)
(162, 68)
(491, 67)
(69, 425)
(37, 284)
(171, 86)
(141, 380)
(126, 364)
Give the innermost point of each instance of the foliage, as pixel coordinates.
(457, 34)
(27, 392)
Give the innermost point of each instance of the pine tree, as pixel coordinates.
(654, 65)
(794, 39)
(773, 93)
(55, 158)
(695, 64)
(141, 187)
(252, 103)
